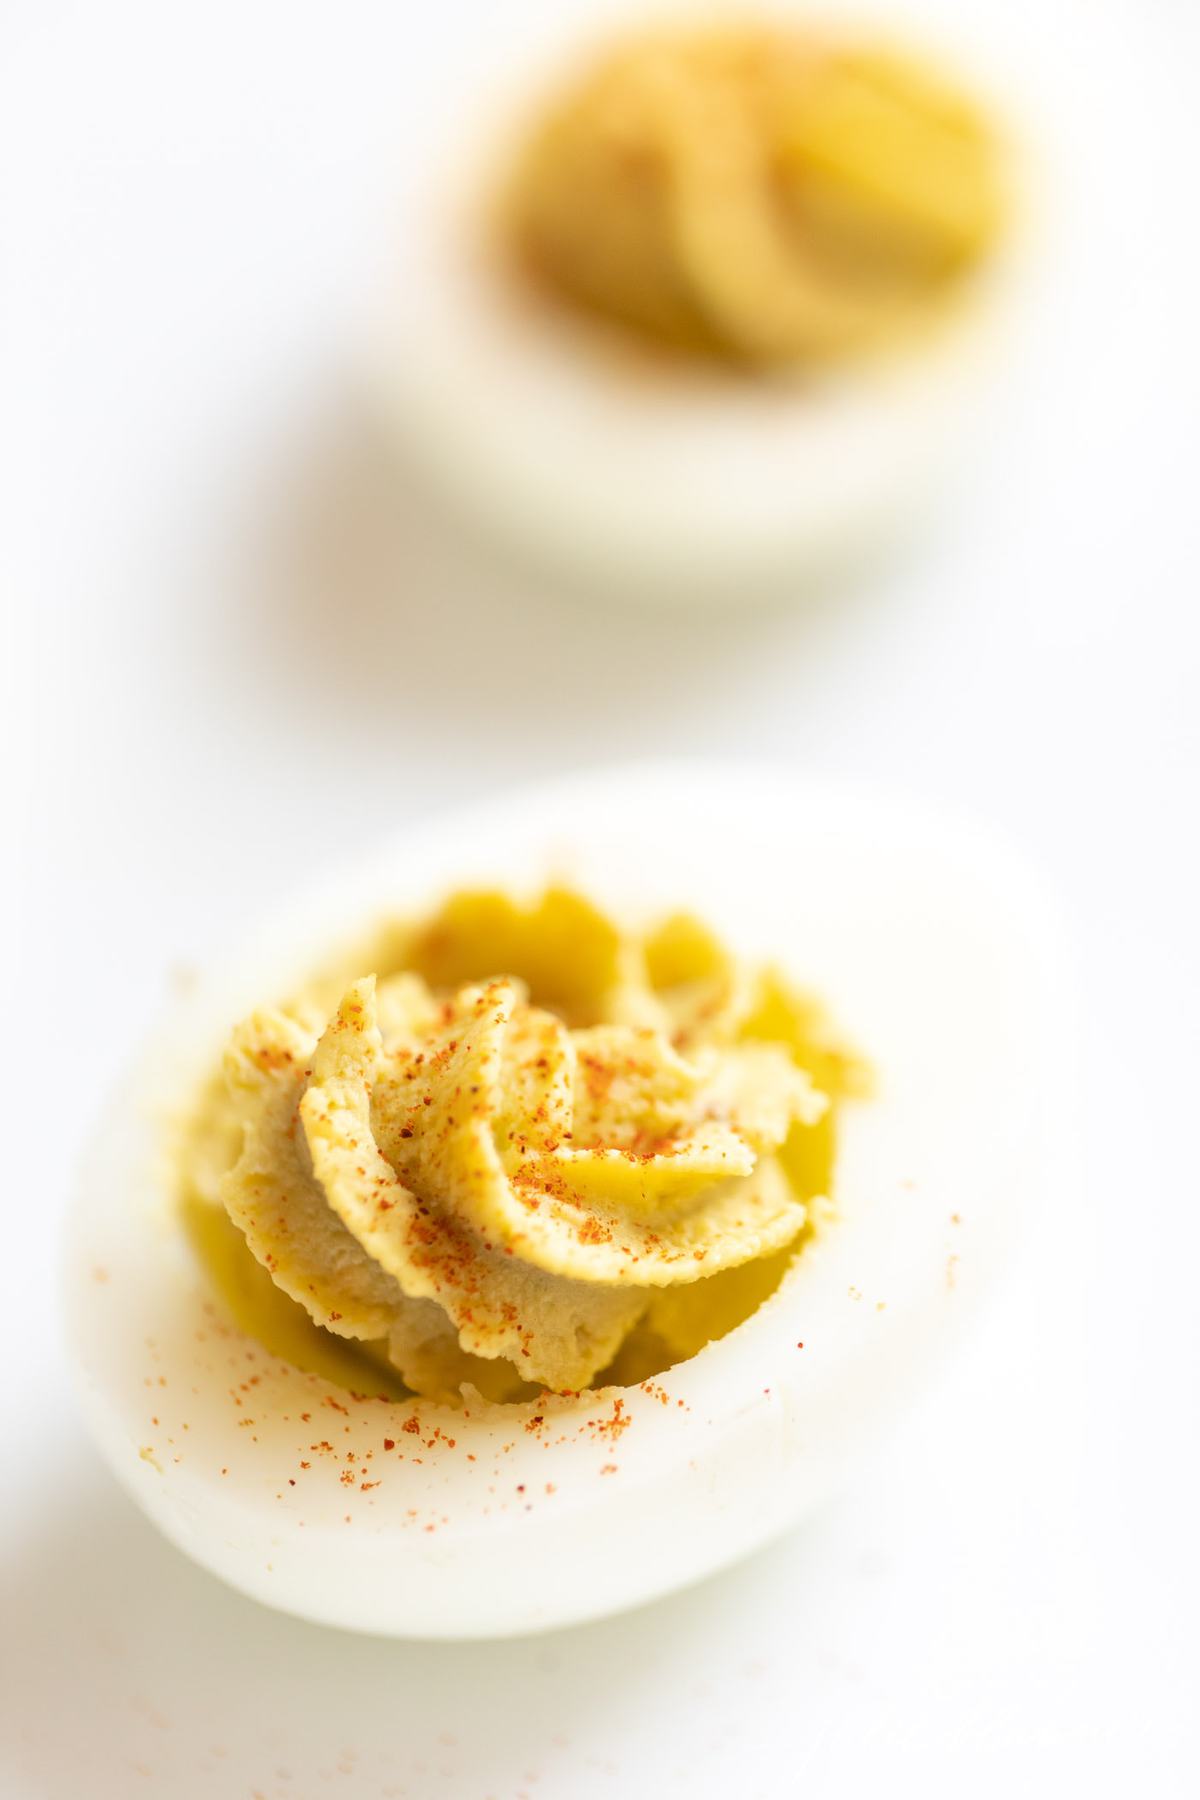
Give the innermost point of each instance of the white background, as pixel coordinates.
(195, 201)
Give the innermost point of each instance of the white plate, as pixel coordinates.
(935, 949)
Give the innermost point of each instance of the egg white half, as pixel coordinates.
(674, 484)
(938, 954)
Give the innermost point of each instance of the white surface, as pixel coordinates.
(193, 205)
(934, 948)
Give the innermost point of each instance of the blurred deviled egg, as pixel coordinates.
(496, 1245)
(702, 310)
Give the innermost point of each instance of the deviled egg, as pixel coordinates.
(702, 309)
(470, 1259)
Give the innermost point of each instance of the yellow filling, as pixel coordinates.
(756, 194)
(528, 1151)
